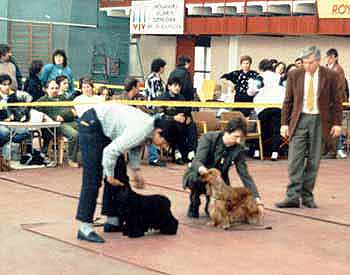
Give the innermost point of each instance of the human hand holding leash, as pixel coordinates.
(114, 182)
(284, 131)
(336, 131)
(202, 170)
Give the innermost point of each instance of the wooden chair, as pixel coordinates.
(253, 128)
(205, 121)
(61, 143)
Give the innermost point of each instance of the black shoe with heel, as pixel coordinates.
(110, 228)
(91, 237)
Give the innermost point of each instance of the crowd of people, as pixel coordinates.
(54, 82)
(310, 117)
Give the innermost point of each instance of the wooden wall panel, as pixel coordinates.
(185, 46)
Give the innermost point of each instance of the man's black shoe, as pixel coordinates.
(158, 163)
(310, 204)
(91, 237)
(329, 156)
(109, 228)
(288, 203)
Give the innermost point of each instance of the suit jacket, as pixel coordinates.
(329, 100)
(212, 153)
(342, 86)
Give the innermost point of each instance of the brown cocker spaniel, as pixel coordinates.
(229, 205)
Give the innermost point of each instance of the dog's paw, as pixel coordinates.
(226, 226)
(211, 223)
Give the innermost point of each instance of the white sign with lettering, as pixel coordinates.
(157, 17)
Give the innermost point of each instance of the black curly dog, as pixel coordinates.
(139, 213)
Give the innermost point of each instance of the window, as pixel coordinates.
(202, 61)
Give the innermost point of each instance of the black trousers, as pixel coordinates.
(270, 119)
(197, 188)
(92, 142)
(187, 141)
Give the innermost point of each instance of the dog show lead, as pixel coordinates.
(106, 132)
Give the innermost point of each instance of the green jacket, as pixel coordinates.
(212, 153)
(53, 112)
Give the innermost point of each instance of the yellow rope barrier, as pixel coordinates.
(144, 103)
(196, 104)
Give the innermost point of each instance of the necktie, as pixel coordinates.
(310, 95)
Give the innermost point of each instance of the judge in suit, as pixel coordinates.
(311, 114)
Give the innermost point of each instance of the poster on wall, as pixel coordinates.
(157, 17)
(333, 8)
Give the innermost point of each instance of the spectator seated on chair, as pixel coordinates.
(185, 147)
(12, 113)
(87, 87)
(63, 88)
(105, 93)
(66, 116)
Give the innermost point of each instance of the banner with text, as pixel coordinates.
(334, 8)
(157, 17)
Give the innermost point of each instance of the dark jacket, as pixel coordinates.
(53, 112)
(329, 100)
(34, 87)
(173, 111)
(212, 153)
(186, 80)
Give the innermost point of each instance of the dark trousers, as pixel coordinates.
(92, 142)
(188, 140)
(270, 120)
(304, 157)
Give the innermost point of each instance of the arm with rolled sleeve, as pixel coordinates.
(242, 171)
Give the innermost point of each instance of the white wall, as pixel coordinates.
(287, 49)
(219, 56)
(152, 47)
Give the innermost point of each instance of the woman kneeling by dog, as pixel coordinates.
(219, 149)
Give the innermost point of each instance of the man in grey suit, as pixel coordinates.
(311, 114)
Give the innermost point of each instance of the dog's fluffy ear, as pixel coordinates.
(210, 175)
(205, 177)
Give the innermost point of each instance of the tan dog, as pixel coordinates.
(229, 205)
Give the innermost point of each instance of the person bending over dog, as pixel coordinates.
(105, 133)
(219, 149)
